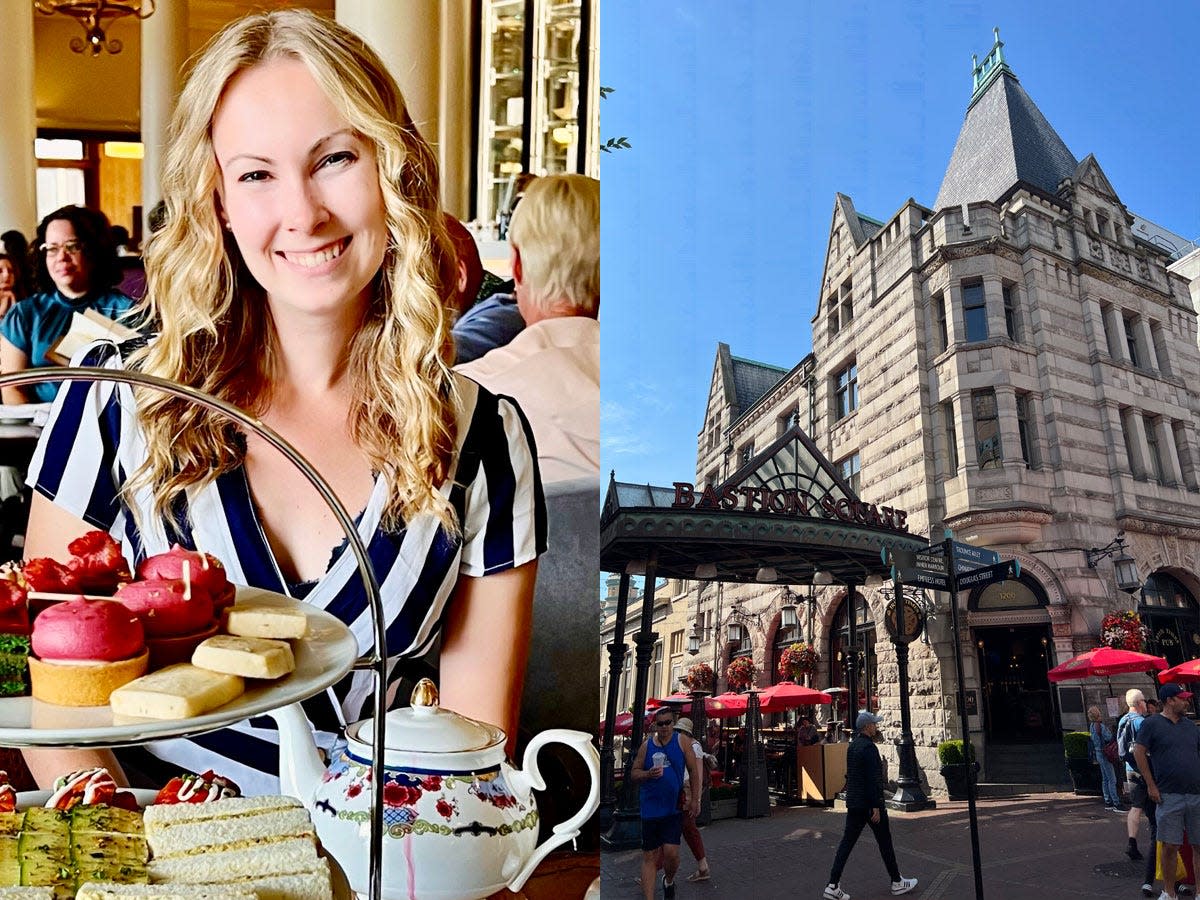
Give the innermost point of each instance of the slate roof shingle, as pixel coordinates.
(1004, 140)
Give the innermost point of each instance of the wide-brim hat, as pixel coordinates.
(684, 725)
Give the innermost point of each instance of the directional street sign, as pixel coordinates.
(987, 575)
(967, 557)
(928, 569)
(922, 578)
(921, 569)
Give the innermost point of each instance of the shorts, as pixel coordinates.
(662, 830)
(1139, 797)
(1178, 813)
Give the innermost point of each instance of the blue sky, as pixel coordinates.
(746, 118)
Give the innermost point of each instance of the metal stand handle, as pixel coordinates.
(376, 660)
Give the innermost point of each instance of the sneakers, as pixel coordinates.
(903, 886)
(1147, 890)
(1133, 852)
(835, 892)
(668, 889)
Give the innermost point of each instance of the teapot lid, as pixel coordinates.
(425, 727)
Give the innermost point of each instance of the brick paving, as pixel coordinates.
(1043, 846)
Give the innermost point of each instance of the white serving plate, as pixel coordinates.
(323, 656)
(341, 887)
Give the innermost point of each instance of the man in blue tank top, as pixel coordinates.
(658, 769)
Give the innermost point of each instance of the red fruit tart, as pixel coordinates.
(202, 570)
(97, 563)
(189, 788)
(176, 618)
(84, 650)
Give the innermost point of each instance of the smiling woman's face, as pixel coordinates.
(299, 190)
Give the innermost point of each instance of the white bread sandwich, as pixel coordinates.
(26, 893)
(107, 890)
(313, 885)
(160, 815)
(284, 857)
(207, 835)
(266, 845)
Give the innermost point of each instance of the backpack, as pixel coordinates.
(1125, 736)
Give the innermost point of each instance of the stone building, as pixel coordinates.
(1014, 363)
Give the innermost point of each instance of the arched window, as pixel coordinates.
(862, 655)
(1172, 618)
(1019, 593)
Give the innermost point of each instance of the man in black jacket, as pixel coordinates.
(864, 806)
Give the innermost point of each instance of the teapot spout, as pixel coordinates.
(300, 765)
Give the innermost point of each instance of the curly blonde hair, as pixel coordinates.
(215, 330)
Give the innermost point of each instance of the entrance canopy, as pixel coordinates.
(787, 509)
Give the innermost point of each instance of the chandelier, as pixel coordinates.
(92, 15)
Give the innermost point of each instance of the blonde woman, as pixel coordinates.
(1099, 734)
(301, 274)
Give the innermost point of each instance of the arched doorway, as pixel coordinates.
(1172, 618)
(1013, 655)
(842, 655)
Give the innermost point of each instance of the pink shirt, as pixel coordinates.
(552, 369)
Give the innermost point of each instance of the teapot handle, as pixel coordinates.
(531, 778)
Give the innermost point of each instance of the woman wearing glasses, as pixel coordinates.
(76, 270)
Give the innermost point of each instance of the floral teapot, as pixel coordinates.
(461, 823)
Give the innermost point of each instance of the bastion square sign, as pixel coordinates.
(788, 502)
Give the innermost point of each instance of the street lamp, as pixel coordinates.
(1124, 566)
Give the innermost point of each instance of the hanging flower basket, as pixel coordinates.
(741, 673)
(1123, 631)
(699, 677)
(798, 660)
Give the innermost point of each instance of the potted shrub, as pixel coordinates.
(954, 767)
(1085, 774)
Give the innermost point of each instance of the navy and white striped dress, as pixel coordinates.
(92, 443)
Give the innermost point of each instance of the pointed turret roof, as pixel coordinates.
(1005, 140)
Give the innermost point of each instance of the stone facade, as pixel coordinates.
(1021, 369)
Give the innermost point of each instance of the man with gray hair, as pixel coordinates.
(552, 368)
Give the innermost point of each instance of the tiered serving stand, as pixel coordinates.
(321, 660)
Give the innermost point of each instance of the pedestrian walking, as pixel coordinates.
(1135, 788)
(1167, 750)
(658, 769)
(691, 834)
(864, 807)
(1099, 737)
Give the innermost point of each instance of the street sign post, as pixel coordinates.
(988, 575)
(953, 566)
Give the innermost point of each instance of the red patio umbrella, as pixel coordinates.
(1104, 661)
(787, 694)
(1184, 672)
(732, 704)
(622, 724)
